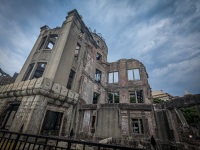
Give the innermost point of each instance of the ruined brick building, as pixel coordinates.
(6, 78)
(67, 84)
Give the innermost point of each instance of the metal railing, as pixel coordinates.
(21, 141)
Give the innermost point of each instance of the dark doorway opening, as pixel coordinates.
(8, 116)
(52, 123)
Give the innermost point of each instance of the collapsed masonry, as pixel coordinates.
(67, 84)
(6, 78)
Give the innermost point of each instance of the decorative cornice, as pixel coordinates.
(41, 86)
(122, 106)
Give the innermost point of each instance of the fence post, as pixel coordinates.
(16, 141)
(68, 145)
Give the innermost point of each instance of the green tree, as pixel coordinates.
(157, 101)
(191, 115)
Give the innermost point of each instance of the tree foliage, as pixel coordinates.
(191, 115)
(157, 100)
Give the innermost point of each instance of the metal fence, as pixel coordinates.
(21, 141)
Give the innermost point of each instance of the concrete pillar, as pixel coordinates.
(68, 125)
(175, 125)
(122, 72)
(3, 105)
(23, 112)
(30, 114)
(36, 116)
(59, 66)
(58, 51)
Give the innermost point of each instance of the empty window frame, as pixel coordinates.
(8, 116)
(137, 126)
(28, 72)
(133, 74)
(98, 57)
(52, 123)
(113, 77)
(113, 97)
(51, 41)
(136, 96)
(70, 79)
(98, 76)
(39, 70)
(42, 43)
(95, 98)
(93, 124)
(77, 50)
(97, 42)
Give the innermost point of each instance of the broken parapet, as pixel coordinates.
(181, 118)
(186, 101)
(41, 86)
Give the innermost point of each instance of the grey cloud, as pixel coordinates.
(162, 34)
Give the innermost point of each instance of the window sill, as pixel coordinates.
(116, 83)
(135, 80)
(138, 134)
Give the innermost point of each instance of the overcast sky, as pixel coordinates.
(163, 34)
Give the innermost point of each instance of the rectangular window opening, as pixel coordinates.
(137, 126)
(98, 76)
(130, 75)
(110, 76)
(42, 43)
(77, 50)
(28, 72)
(8, 116)
(136, 74)
(98, 42)
(93, 124)
(140, 96)
(50, 45)
(95, 98)
(52, 123)
(113, 77)
(39, 70)
(113, 97)
(110, 97)
(133, 74)
(116, 97)
(51, 41)
(136, 96)
(132, 97)
(71, 78)
(98, 57)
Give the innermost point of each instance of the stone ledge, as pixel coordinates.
(147, 107)
(123, 106)
(89, 106)
(41, 86)
(185, 101)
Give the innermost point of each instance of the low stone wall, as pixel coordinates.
(186, 101)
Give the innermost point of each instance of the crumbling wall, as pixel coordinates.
(86, 121)
(124, 85)
(125, 123)
(108, 124)
(90, 85)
